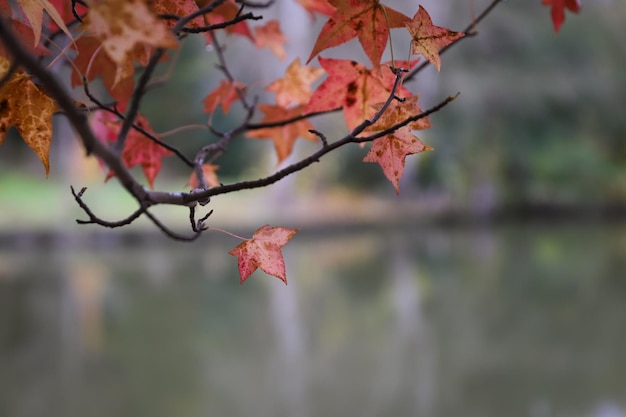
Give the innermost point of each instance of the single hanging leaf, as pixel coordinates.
(224, 95)
(558, 10)
(30, 110)
(33, 10)
(122, 25)
(295, 87)
(428, 39)
(399, 111)
(391, 150)
(368, 20)
(138, 149)
(354, 88)
(284, 136)
(263, 251)
(317, 6)
(271, 36)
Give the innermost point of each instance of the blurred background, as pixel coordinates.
(493, 285)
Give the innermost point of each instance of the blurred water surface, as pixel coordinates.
(511, 321)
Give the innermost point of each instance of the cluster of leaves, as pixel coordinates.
(121, 42)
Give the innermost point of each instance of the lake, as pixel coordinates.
(520, 320)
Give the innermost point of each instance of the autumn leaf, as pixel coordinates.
(25, 35)
(317, 6)
(399, 111)
(295, 86)
(33, 10)
(354, 88)
(225, 94)
(428, 39)
(558, 10)
(391, 150)
(271, 36)
(64, 8)
(368, 20)
(210, 177)
(263, 251)
(285, 135)
(30, 110)
(91, 62)
(177, 8)
(138, 149)
(226, 12)
(122, 25)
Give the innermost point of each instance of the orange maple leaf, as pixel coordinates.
(226, 12)
(210, 177)
(225, 94)
(284, 136)
(368, 20)
(391, 150)
(558, 10)
(122, 25)
(355, 88)
(428, 38)
(263, 251)
(30, 110)
(138, 149)
(271, 36)
(295, 87)
(179, 8)
(33, 10)
(319, 6)
(399, 111)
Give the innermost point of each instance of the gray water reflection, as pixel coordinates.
(520, 321)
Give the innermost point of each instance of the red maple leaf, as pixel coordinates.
(558, 10)
(428, 39)
(138, 149)
(225, 94)
(263, 251)
(391, 150)
(368, 20)
(91, 62)
(354, 88)
(285, 135)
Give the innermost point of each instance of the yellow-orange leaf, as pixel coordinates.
(271, 36)
(399, 111)
(33, 9)
(295, 87)
(391, 150)
(428, 39)
(210, 177)
(285, 135)
(121, 25)
(30, 110)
